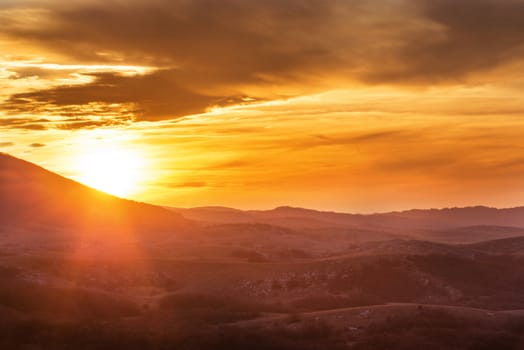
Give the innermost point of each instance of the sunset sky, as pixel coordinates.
(356, 106)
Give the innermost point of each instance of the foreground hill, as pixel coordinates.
(34, 199)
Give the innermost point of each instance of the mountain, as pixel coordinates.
(434, 219)
(218, 215)
(449, 225)
(34, 199)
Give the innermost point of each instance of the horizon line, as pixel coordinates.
(339, 212)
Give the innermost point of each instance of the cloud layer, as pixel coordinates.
(217, 52)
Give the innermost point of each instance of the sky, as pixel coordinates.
(346, 105)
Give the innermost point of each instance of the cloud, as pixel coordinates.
(235, 42)
(37, 145)
(86, 123)
(64, 122)
(218, 52)
(28, 123)
(353, 139)
(189, 184)
(468, 36)
(237, 163)
(6, 144)
(35, 72)
(152, 96)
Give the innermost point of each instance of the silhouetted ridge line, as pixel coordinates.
(31, 196)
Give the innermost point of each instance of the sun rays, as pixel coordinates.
(112, 169)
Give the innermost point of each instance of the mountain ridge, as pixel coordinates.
(444, 218)
(33, 196)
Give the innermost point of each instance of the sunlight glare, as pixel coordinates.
(116, 171)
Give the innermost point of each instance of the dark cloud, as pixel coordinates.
(65, 123)
(227, 41)
(24, 123)
(214, 49)
(239, 41)
(6, 144)
(32, 126)
(37, 145)
(154, 96)
(470, 36)
(86, 123)
(211, 50)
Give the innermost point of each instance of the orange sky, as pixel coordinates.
(340, 105)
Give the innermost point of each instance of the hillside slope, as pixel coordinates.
(34, 198)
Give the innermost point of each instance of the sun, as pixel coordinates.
(113, 170)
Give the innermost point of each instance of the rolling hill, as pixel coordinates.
(513, 246)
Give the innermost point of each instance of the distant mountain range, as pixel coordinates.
(434, 219)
